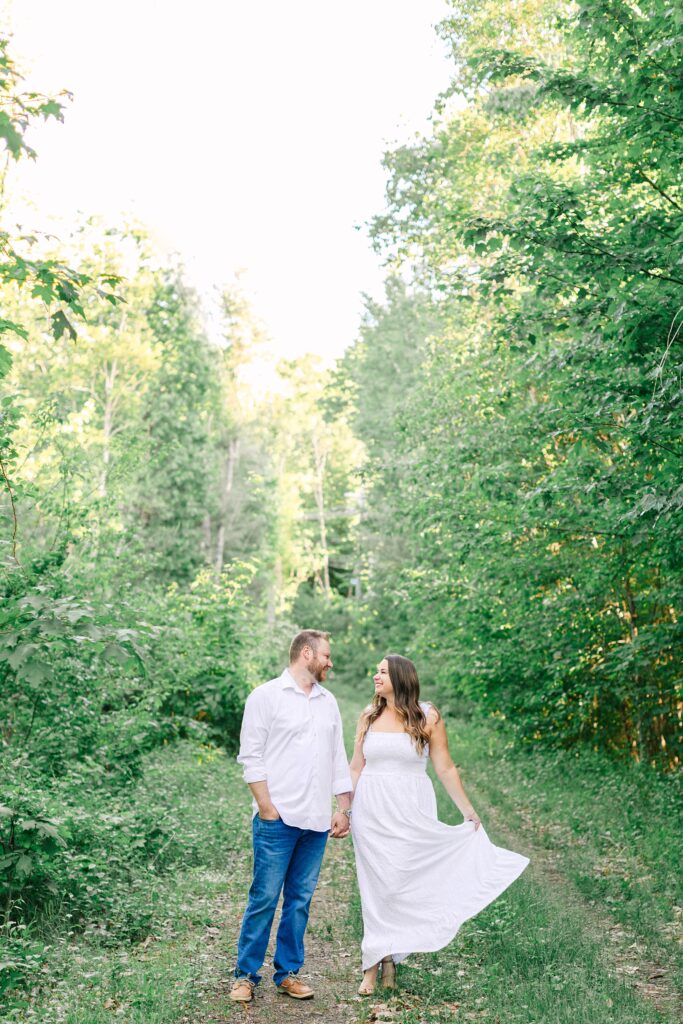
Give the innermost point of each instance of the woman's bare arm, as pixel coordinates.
(357, 762)
(446, 771)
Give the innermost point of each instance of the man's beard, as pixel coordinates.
(318, 670)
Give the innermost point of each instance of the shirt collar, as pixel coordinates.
(290, 683)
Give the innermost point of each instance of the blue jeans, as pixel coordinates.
(289, 857)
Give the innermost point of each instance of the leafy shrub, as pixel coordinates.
(86, 702)
(96, 860)
(208, 643)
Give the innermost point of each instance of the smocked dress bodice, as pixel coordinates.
(392, 753)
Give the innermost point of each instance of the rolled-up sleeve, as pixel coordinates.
(253, 737)
(341, 775)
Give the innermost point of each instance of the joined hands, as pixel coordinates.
(340, 825)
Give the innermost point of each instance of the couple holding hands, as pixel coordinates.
(419, 879)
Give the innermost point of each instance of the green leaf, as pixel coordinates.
(46, 828)
(24, 865)
(44, 291)
(20, 654)
(35, 672)
(114, 652)
(51, 108)
(5, 360)
(61, 324)
(13, 139)
(74, 614)
(10, 325)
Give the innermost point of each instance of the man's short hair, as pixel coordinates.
(306, 638)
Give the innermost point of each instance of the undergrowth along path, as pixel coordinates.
(549, 951)
(601, 836)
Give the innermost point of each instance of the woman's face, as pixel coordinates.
(383, 686)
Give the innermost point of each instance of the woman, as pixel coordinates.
(419, 879)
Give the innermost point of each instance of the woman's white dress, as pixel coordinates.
(419, 878)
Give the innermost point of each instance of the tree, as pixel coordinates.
(539, 454)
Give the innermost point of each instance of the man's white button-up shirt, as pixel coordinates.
(294, 742)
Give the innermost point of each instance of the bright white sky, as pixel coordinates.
(246, 134)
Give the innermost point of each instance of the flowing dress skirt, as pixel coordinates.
(419, 878)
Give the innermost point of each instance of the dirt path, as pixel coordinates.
(332, 956)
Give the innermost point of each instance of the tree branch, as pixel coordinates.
(657, 188)
(14, 513)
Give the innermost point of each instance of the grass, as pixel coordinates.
(611, 830)
(157, 983)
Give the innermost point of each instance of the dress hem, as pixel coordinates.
(436, 945)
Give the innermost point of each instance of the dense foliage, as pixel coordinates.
(534, 467)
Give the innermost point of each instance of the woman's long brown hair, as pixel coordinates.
(406, 684)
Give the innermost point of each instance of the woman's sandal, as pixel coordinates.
(388, 972)
(367, 988)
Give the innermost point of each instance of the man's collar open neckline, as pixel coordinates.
(290, 683)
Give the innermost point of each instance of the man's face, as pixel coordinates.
(321, 661)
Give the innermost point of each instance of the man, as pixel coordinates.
(292, 752)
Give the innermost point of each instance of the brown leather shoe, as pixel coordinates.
(291, 986)
(242, 990)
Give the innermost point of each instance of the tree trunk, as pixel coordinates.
(110, 371)
(320, 458)
(228, 478)
(632, 618)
